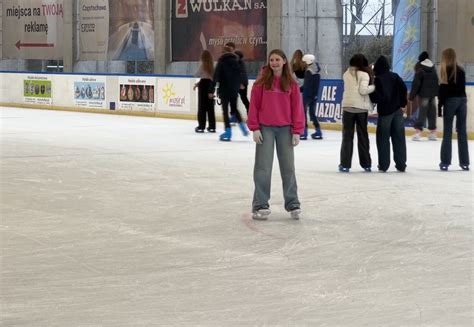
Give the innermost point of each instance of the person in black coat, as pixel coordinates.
(227, 76)
(244, 80)
(425, 86)
(390, 95)
(453, 103)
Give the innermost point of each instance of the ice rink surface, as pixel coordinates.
(110, 220)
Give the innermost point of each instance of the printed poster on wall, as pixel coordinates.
(89, 92)
(198, 25)
(137, 93)
(117, 30)
(174, 94)
(37, 89)
(32, 29)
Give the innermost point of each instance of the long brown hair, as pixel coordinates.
(266, 76)
(449, 65)
(207, 62)
(297, 62)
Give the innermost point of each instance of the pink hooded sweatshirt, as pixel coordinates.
(275, 107)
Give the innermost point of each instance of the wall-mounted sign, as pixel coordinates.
(32, 29)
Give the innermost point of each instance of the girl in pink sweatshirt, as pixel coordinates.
(276, 117)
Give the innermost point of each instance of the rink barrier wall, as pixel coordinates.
(173, 96)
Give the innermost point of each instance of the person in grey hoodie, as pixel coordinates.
(425, 85)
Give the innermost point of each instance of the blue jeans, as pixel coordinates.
(391, 127)
(455, 107)
(310, 105)
(262, 173)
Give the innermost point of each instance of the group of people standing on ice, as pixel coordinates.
(285, 91)
(230, 78)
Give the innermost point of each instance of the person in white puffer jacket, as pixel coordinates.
(356, 106)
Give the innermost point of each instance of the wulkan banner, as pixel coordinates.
(32, 29)
(198, 25)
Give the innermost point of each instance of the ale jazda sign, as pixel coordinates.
(32, 29)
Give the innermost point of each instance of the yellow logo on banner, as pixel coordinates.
(168, 92)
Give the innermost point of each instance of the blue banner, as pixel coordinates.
(406, 38)
(328, 105)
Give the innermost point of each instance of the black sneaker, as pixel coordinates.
(211, 130)
(199, 130)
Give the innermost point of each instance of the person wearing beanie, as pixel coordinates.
(425, 86)
(390, 95)
(310, 94)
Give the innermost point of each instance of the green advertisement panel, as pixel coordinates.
(37, 89)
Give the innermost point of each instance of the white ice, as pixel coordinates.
(110, 220)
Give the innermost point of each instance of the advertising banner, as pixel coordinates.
(117, 30)
(32, 29)
(198, 25)
(37, 89)
(328, 105)
(93, 29)
(89, 92)
(137, 93)
(406, 38)
(174, 94)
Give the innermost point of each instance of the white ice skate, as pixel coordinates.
(261, 214)
(295, 214)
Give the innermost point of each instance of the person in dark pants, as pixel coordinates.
(205, 94)
(425, 86)
(453, 103)
(244, 81)
(310, 95)
(227, 76)
(391, 96)
(356, 105)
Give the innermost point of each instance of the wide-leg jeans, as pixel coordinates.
(455, 107)
(391, 127)
(281, 138)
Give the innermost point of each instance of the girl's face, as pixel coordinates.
(277, 63)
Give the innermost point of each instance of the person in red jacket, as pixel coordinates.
(276, 117)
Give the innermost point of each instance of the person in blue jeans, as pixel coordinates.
(276, 118)
(390, 95)
(452, 102)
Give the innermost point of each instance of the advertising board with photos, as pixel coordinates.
(89, 92)
(137, 93)
(37, 89)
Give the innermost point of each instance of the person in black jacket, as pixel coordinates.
(452, 97)
(390, 95)
(227, 76)
(312, 79)
(244, 80)
(425, 86)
